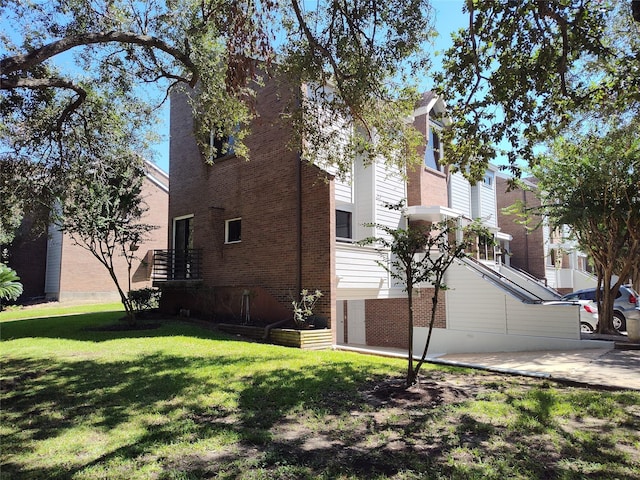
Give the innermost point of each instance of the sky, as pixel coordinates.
(448, 18)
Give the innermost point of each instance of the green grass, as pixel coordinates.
(183, 402)
(54, 309)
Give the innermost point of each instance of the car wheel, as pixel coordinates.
(585, 327)
(619, 322)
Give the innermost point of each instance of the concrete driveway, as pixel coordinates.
(614, 366)
(605, 367)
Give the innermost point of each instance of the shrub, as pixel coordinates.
(10, 287)
(303, 309)
(145, 299)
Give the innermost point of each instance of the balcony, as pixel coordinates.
(177, 266)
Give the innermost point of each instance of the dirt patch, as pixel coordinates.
(432, 393)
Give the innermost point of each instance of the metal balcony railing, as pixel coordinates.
(170, 265)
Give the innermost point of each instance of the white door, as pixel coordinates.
(356, 333)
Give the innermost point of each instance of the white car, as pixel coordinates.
(588, 313)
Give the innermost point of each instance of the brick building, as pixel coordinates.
(552, 256)
(527, 245)
(54, 268)
(246, 236)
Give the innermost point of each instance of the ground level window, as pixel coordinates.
(233, 230)
(343, 224)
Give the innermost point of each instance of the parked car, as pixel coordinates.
(624, 306)
(588, 313)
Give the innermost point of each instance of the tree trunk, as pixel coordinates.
(605, 305)
(434, 306)
(411, 377)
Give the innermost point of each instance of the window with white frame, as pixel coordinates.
(344, 225)
(232, 230)
(488, 179)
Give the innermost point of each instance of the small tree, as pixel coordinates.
(590, 182)
(419, 254)
(102, 211)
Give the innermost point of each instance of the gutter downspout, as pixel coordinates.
(299, 221)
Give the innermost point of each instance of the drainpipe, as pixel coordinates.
(299, 221)
(299, 202)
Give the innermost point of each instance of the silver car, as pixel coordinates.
(625, 305)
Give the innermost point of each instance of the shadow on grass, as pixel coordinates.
(158, 398)
(87, 327)
(132, 412)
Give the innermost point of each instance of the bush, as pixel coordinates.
(10, 287)
(145, 299)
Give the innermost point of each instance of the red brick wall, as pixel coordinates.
(318, 239)
(83, 277)
(527, 247)
(264, 192)
(387, 320)
(426, 186)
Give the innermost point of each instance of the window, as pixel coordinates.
(221, 146)
(488, 179)
(180, 265)
(232, 230)
(433, 153)
(343, 224)
(183, 233)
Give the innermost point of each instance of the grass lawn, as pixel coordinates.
(183, 402)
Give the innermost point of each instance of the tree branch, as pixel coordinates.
(24, 62)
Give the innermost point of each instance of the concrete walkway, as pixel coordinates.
(606, 367)
(601, 367)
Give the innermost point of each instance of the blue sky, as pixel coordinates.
(448, 18)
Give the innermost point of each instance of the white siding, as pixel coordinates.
(582, 280)
(54, 261)
(389, 188)
(474, 304)
(527, 283)
(357, 267)
(364, 194)
(543, 320)
(460, 194)
(484, 204)
(344, 189)
(488, 201)
(359, 275)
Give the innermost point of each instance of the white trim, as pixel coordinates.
(158, 183)
(226, 230)
(432, 213)
(173, 228)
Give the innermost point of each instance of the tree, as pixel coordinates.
(591, 182)
(524, 70)
(419, 254)
(65, 50)
(102, 205)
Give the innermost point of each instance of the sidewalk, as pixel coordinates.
(599, 367)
